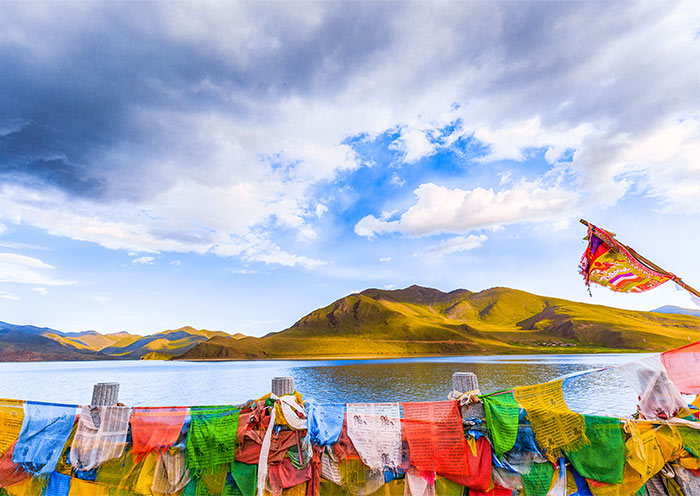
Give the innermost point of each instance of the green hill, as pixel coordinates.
(425, 321)
(162, 344)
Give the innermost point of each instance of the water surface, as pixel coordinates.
(158, 383)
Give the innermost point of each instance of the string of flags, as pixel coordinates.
(526, 442)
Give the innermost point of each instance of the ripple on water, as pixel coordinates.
(414, 379)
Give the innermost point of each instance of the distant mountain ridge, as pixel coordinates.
(425, 321)
(413, 321)
(678, 310)
(31, 343)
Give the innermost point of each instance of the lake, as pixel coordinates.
(156, 383)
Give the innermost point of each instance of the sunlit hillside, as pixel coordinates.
(425, 321)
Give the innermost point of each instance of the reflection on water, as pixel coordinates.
(415, 379)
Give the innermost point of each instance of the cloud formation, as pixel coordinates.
(439, 209)
(209, 128)
(457, 244)
(27, 270)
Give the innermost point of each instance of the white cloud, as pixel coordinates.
(8, 296)
(176, 263)
(281, 257)
(441, 209)
(143, 260)
(370, 225)
(385, 259)
(457, 244)
(242, 271)
(614, 82)
(396, 180)
(41, 291)
(27, 270)
(389, 286)
(101, 299)
(320, 210)
(306, 234)
(414, 144)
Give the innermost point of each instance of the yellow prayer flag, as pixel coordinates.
(555, 426)
(11, 417)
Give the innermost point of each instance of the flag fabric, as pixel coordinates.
(615, 266)
(156, 428)
(682, 365)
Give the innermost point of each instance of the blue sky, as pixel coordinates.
(234, 166)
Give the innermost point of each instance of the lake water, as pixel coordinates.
(154, 383)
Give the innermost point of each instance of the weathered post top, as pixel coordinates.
(463, 382)
(105, 394)
(467, 382)
(282, 385)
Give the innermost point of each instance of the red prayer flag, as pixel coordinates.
(478, 477)
(156, 428)
(435, 437)
(614, 265)
(683, 367)
(11, 472)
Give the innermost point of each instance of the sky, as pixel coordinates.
(235, 165)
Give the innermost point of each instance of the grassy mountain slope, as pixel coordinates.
(30, 343)
(425, 321)
(167, 343)
(20, 345)
(96, 341)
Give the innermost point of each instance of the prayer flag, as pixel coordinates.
(502, 416)
(156, 428)
(211, 440)
(325, 422)
(554, 425)
(45, 430)
(682, 365)
(616, 266)
(375, 430)
(101, 436)
(11, 417)
(604, 458)
(435, 437)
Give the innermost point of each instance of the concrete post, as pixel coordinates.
(463, 382)
(282, 385)
(105, 394)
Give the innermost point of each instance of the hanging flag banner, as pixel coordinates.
(435, 437)
(659, 397)
(554, 425)
(156, 428)
(616, 266)
(45, 430)
(11, 417)
(682, 365)
(375, 430)
(101, 436)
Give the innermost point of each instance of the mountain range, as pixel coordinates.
(29, 343)
(413, 321)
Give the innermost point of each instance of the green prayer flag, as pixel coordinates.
(603, 459)
(691, 440)
(502, 414)
(211, 440)
(538, 480)
(246, 477)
